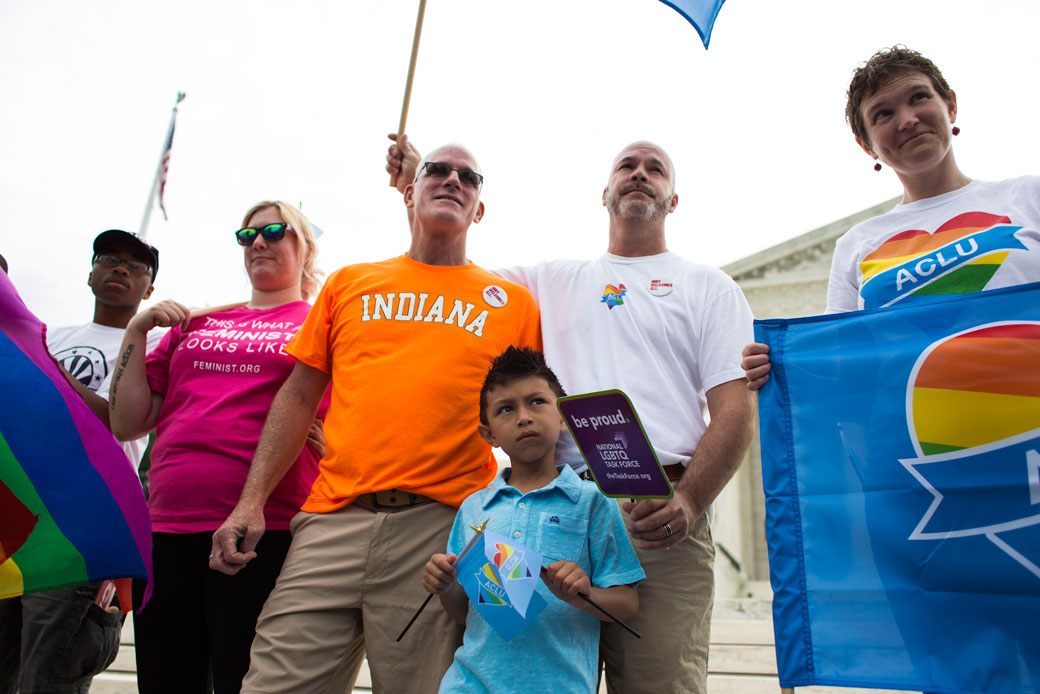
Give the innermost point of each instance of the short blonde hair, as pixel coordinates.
(310, 280)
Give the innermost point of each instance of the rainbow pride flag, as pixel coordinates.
(71, 507)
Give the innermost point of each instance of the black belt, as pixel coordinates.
(674, 471)
(391, 501)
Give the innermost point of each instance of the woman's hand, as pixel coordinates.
(316, 437)
(755, 364)
(164, 314)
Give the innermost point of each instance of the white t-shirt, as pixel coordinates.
(660, 328)
(89, 353)
(985, 235)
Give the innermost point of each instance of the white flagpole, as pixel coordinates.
(143, 231)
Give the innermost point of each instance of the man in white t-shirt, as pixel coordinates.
(56, 641)
(668, 333)
(122, 276)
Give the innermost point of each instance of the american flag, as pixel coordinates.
(164, 166)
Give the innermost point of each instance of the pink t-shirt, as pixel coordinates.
(220, 378)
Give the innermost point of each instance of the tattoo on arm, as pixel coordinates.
(119, 373)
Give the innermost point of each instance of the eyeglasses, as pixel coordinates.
(270, 232)
(135, 266)
(438, 169)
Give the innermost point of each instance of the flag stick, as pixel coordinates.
(143, 231)
(408, 83)
(617, 621)
(415, 616)
(624, 626)
(465, 550)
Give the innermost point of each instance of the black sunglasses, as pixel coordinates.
(439, 169)
(270, 232)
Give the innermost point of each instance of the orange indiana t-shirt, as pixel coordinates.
(408, 346)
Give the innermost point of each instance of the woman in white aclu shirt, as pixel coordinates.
(950, 234)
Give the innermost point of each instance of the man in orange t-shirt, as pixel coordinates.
(406, 343)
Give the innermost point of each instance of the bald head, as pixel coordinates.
(641, 187)
(646, 148)
(447, 197)
(455, 152)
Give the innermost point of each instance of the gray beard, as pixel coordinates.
(639, 210)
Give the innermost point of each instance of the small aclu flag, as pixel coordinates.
(499, 577)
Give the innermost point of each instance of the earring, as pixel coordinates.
(877, 166)
(956, 130)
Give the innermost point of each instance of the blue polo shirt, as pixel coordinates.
(567, 519)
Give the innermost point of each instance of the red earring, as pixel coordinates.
(877, 166)
(956, 130)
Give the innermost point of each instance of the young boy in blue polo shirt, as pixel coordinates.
(546, 507)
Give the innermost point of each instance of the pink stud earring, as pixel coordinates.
(956, 130)
(877, 166)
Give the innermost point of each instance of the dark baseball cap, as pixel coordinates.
(107, 239)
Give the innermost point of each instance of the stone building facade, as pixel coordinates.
(785, 281)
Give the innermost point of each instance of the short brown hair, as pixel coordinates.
(310, 280)
(873, 74)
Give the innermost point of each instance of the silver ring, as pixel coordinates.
(667, 530)
(211, 556)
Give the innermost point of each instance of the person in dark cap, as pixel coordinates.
(56, 641)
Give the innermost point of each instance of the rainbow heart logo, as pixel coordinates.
(973, 410)
(960, 257)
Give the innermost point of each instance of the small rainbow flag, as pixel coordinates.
(71, 507)
(499, 577)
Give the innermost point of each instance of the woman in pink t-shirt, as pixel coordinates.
(207, 389)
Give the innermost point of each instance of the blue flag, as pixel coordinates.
(700, 13)
(901, 466)
(499, 577)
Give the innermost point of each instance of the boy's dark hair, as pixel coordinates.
(873, 74)
(512, 365)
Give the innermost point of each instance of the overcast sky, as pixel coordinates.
(292, 100)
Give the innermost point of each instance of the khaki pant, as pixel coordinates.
(350, 584)
(674, 621)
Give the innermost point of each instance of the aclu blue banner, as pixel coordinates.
(901, 466)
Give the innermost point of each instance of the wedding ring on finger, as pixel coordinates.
(667, 530)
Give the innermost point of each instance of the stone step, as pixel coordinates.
(741, 659)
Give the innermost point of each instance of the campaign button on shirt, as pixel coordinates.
(495, 296)
(660, 287)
